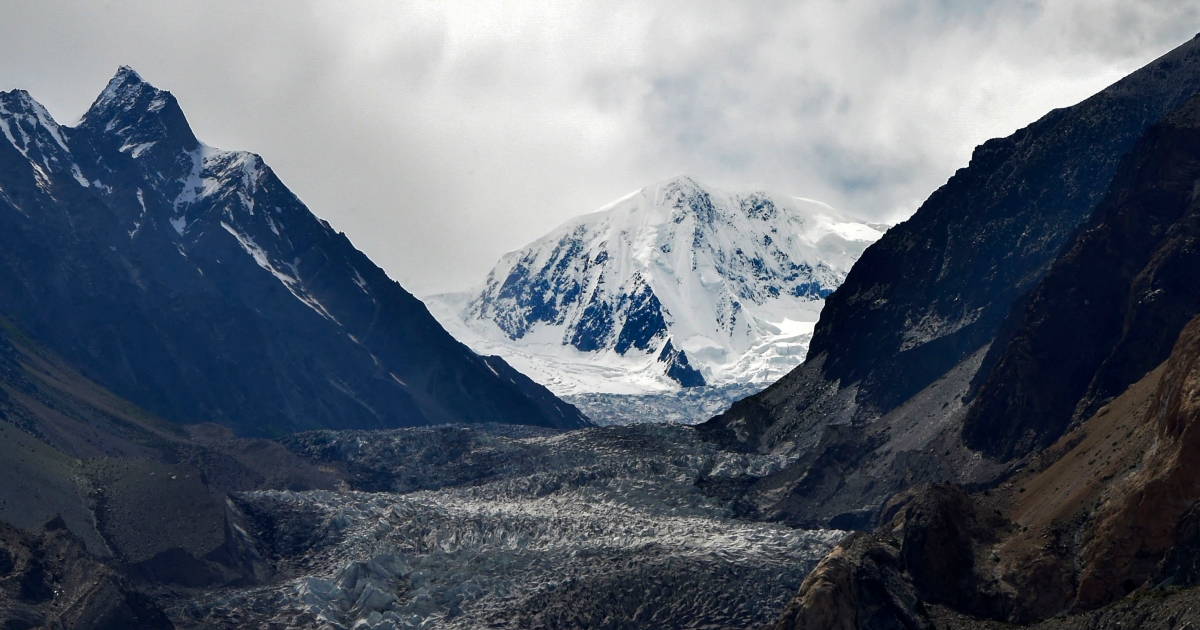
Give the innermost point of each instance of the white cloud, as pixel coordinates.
(440, 135)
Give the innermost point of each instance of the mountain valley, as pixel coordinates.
(179, 261)
(215, 412)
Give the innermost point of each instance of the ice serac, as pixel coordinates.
(678, 284)
(191, 281)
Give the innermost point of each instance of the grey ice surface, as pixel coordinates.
(691, 405)
(595, 528)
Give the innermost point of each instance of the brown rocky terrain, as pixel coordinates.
(1108, 512)
(1050, 273)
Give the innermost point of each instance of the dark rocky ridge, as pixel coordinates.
(1088, 518)
(48, 580)
(900, 344)
(936, 288)
(1112, 305)
(194, 283)
(1094, 401)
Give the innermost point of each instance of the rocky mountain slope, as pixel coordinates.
(192, 282)
(1109, 511)
(678, 284)
(898, 358)
(114, 501)
(1068, 442)
(1110, 307)
(47, 579)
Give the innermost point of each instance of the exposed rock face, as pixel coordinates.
(1085, 433)
(1181, 566)
(47, 579)
(943, 533)
(860, 584)
(1106, 511)
(1112, 305)
(904, 343)
(928, 553)
(1135, 527)
(935, 288)
(192, 282)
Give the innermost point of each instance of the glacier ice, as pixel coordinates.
(519, 527)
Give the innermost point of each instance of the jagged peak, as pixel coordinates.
(22, 99)
(21, 102)
(25, 115)
(682, 181)
(122, 89)
(136, 111)
(128, 73)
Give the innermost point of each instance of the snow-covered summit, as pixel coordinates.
(145, 118)
(675, 284)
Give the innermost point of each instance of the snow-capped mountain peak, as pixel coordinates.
(208, 290)
(144, 117)
(698, 278)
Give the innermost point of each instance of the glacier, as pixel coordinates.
(514, 527)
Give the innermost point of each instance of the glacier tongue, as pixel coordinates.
(675, 279)
(518, 527)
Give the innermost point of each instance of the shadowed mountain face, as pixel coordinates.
(895, 389)
(144, 500)
(1111, 306)
(191, 281)
(1070, 442)
(936, 288)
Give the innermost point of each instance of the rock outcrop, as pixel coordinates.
(47, 579)
(860, 584)
(1111, 306)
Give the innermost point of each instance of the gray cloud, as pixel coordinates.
(440, 135)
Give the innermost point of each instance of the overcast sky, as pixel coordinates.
(439, 135)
